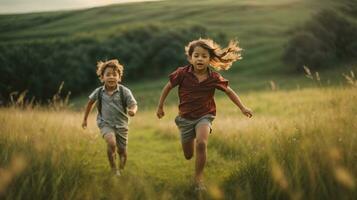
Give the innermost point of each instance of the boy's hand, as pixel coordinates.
(132, 110)
(131, 113)
(247, 112)
(84, 124)
(160, 113)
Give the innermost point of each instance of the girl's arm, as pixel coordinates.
(86, 113)
(236, 100)
(132, 110)
(160, 108)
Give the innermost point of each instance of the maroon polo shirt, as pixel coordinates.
(196, 98)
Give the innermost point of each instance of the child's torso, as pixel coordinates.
(196, 94)
(112, 110)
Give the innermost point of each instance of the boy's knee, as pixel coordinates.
(110, 138)
(111, 146)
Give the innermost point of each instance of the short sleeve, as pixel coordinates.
(129, 97)
(176, 77)
(221, 83)
(94, 95)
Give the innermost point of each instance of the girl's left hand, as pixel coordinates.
(247, 112)
(160, 112)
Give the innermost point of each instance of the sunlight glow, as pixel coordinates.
(27, 6)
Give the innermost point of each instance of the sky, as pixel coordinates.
(27, 6)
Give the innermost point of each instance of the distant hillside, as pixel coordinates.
(235, 17)
(73, 41)
(260, 25)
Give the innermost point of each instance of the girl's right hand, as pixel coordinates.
(160, 113)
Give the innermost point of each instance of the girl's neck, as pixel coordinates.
(200, 72)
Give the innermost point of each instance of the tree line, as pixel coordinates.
(40, 66)
(327, 39)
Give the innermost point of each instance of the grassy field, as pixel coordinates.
(300, 144)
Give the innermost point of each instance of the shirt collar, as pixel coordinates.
(116, 89)
(190, 69)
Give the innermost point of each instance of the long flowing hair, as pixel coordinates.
(220, 58)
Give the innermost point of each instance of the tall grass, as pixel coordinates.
(43, 143)
(300, 144)
(45, 155)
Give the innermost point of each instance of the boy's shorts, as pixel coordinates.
(188, 127)
(121, 136)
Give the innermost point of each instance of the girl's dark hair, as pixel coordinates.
(219, 58)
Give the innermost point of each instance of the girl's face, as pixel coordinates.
(200, 58)
(111, 77)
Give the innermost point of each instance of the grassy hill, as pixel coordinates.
(236, 17)
(261, 26)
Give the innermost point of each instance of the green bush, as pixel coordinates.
(349, 7)
(328, 38)
(306, 49)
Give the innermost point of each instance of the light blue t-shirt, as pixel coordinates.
(113, 114)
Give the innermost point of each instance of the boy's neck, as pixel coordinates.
(108, 88)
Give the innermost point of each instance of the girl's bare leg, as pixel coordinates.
(202, 133)
(188, 148)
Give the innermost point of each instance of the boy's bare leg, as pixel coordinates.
(202, 133)
(122, 157)
(111, 146)
(188, 148)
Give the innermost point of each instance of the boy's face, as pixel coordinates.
(111, 77)
(200, 58)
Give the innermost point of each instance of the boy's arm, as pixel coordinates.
(86, 113)
(165, 91)
(236, 100)
(132, 110)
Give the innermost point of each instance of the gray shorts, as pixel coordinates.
(121, 136)
(188, 127)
